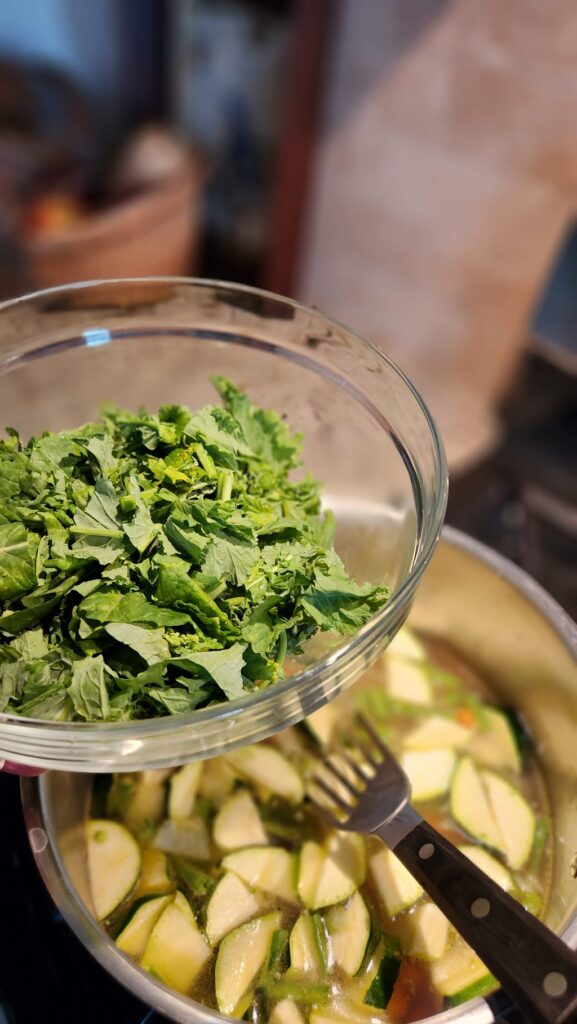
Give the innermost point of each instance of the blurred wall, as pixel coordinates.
(82, 38)
(446, 171)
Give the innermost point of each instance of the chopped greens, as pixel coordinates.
(154, 564)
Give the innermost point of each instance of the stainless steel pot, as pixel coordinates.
(518, 638)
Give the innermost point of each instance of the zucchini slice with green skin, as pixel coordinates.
(429, 771)
(408, 682)
(515, 819)
(267, 768)
(188, 837)
(153, 873)
(332, 872)
(134, 936)
(430, 931)
(286, 1012)
(230, 905)
(482, 987)
(407, 645)
(349, 929)
(176, 951)
(241, 957)
(183, 788)
(238, 823)
(269, 868)
(489, 864)
(306, 951)
(394, 885)
(438, 732)
(113, 864)
(470, 806)
(458, 969)
(386, 972)
(496, 745)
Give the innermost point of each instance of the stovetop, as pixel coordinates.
(46, 975)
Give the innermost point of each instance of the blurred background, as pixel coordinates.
(409, 166)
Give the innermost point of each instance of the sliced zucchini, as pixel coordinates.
(310, 864)
(430, 930)
(269, 868)
(305, 946)
(230, 905)
(153, 873)
(238, 823)
(394, 885)
(490, 865)
(267, 768)
(406, 645)
(176, 951)
(496, 745)
(183, 787)
(145, 805)
(349, 928)
(438, 732)
(479, 988)
(134, 936)
(408, 682)
(429, 771)
(113, 864)
(242, 955)
(332, 872)
(344, 1011)
(286, 1012)
(458, 969)
(470, 806)
(155, 775)
(216, 781)
(515, 819)
(380, 978)
(322, 725)
(188, 837)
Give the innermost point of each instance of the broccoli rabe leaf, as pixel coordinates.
(151, 564)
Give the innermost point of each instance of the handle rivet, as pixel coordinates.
(427, 850)
(555, 984)
(480, 907)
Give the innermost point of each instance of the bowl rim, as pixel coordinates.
(356, 644)
(102, 947)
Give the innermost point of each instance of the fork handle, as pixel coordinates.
(535, 967)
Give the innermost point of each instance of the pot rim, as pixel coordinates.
(178, 1007)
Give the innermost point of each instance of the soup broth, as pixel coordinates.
(223, 879)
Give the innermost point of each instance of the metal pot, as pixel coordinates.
(507, 627)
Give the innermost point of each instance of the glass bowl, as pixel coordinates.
(368, 437)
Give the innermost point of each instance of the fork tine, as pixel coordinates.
(340, 775)
(333, 797)
(361, 774)
(374, 736)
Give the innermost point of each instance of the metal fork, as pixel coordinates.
(535, 967)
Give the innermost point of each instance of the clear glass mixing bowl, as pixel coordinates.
(368, 437)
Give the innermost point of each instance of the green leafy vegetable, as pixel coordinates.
(154, 564)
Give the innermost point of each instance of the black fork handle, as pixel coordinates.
(535, 967)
